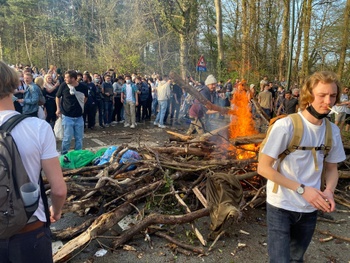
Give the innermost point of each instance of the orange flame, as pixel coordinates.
(242, 123)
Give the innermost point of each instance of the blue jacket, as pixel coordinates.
(134, 91)
(31, 98)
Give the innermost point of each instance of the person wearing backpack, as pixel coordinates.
(296, 188)
(29, 240)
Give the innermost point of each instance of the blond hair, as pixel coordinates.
(9, 80)
(39, 81)
(306, 95)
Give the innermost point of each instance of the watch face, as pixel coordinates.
(300, 190)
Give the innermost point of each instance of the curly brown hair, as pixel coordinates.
(9, 80)
(306, 96)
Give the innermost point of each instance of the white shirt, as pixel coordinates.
(299, 165)
(35, 142)
(128, 92)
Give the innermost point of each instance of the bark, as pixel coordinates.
(245, 39)
(156, 219)
(306, 42)
(26, 43)
(282, 62)
(218, 10)
(345, 38)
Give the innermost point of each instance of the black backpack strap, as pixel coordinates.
(12, 122)
(45, 202)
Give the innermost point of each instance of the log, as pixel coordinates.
(72, 232)
(154, 219)
(222, 132)
(98, 227)
(252, 139)
(197, 95)
(180, 136)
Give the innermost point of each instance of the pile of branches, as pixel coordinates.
(177, 171)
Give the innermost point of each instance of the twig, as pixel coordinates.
(327, 233)
(215, 240)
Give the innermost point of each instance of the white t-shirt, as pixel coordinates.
(299, 165)
(35, 142)
(342, 108)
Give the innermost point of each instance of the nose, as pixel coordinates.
(327, 100)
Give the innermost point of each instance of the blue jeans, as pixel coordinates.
(289, 234)
(163, 105)
(33, 246)
(108, 112)
(154, 107)
(267, 111)
(72, 126)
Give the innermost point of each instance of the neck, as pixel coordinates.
(311, 118)
(6, 103)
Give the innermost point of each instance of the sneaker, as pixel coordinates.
(161, 126)
(132, 126)
(126, 125)
(107, 125)
(155, 123)
(114, 122)
(102, 127)
(122, 121)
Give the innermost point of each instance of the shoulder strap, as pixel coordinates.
(298, 130)
(328, 141)
(12, 122)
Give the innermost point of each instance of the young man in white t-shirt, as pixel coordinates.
(37, 146)
(292, 210)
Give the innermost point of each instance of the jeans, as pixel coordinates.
(154, 107)
(130, 113)
(72, 126)
(289, 234)
(101, 109)
(33, 246)
(267, 111)
(163, 105)
(108, 112)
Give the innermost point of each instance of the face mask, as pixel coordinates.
(314, 113)
(128, 81)
(96, 80)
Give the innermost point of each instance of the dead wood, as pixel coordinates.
(84, 169)
(197, 250)
(197, 95)
(344, 174)
(78, 205)
(221, 132)
(182, 151)
(159, 219)
(252, 139)
(98, 227)
(71, 232)
(179, 136)
(341, 200)
(260, 111)
(347, 239)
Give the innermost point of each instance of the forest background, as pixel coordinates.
(238, 38)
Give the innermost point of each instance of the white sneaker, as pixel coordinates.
(132, 126)
(106, 125)
(161, 126)
(122, 121)
(126, 125)
(155, 123)
(113, 123)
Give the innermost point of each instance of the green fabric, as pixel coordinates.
(79, 158)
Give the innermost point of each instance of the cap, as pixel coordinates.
(210, 80)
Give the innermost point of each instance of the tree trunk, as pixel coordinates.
(219, 38)
(282, 62)
(26, 43)
(183, 55)
(245, 40)
(299, 40)
(345, 37)
(1, 54)
(306, 30)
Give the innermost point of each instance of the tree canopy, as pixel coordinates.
(252, 38)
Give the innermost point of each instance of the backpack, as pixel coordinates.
(13, 214)
(295, 143)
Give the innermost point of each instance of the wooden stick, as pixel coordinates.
(197, 250)
(159, 219)
(195, 229)
(327, 233)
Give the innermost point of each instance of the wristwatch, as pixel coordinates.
(301, 189)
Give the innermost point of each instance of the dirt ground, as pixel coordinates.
(244, 242)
